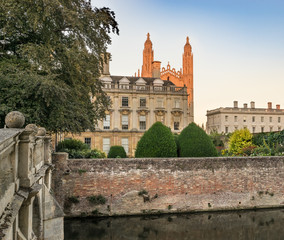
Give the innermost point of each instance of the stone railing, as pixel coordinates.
(145, 88)
(27, 209)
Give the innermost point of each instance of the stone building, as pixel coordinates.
(256, 120)
(140, 101)
(27, 208)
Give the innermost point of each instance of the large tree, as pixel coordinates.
(51, 54)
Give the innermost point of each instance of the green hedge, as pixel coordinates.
(77, 149)
(194, 142)
(116, 151)
(158, 141)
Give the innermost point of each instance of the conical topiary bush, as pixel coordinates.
(194, 142)
(158, 141)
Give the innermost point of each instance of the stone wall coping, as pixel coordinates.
(6, 133)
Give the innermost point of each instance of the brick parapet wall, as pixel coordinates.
(245, 182)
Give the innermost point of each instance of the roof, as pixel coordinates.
(133, 80)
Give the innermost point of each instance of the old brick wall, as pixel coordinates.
(182, 184)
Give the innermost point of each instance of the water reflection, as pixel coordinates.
(259, 225)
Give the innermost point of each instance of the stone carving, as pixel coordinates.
(31, 128)
(41, 131)
(15, 119)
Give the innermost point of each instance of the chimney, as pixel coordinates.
(269, 105)
(278, 106)
(106, 64)
(252, 105)
(235, 104)
(156, 73)
(245, 105)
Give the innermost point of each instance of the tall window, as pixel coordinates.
(124, 122)
(124, 102)
(176, 125)
(226, 129)
(279, 119)
(253, 118)
(88, 141)
(143, 102)
(226, 118)
(270, 119)
(262, 119)
(177, 103)
(236, 118)
(245, 119)
(142, 122)
(262, 129)
(279, 128)
(271, 129)
(253, 129)
(160, 102)
(106, 145)
(107, 122)
(124, 144)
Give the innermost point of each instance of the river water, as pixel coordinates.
(241, 225)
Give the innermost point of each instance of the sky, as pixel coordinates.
(238, 46)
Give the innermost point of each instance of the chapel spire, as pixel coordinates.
(148, 58)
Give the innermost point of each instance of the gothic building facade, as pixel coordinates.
(139, 101)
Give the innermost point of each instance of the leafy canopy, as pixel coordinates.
(158, 141)
(51, 55)
(240, 140)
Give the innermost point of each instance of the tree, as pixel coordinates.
(116, 151)
(240, 140)
(158, 141)
(194, 142)
(51, 55)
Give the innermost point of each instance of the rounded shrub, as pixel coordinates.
(116, 151)
(194, 142)
(158, 141)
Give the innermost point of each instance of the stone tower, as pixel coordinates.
(187, 75)
(148, 58)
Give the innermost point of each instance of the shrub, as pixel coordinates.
(194, 142)
(116, 151)
(71, 144)
(78, 149)
(158, 141)
(240, 139)
(97, 199)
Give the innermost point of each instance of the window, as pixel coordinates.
(262, 129)
(107, 122)
(124, 122)
(142, 122)
(226, 129)
(124, 144)
(176, 125)
(177, 103)
(279, 119)
(253, 129)
(245, 119)
(226, 118)
(106, 145)
(124, 102)
(279, 128)
(262, 119)
(236, 118)
(271, 129)
(270, 119)
(253, 118)
(160, 102)
(88, 141)
(142, 102)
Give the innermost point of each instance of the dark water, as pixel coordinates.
(257, 225)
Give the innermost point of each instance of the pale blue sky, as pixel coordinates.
(238, 46)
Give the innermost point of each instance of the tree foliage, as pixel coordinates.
(116, 151)
(51, 55)
(158, 141)
(194, 142)
(240, 140)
